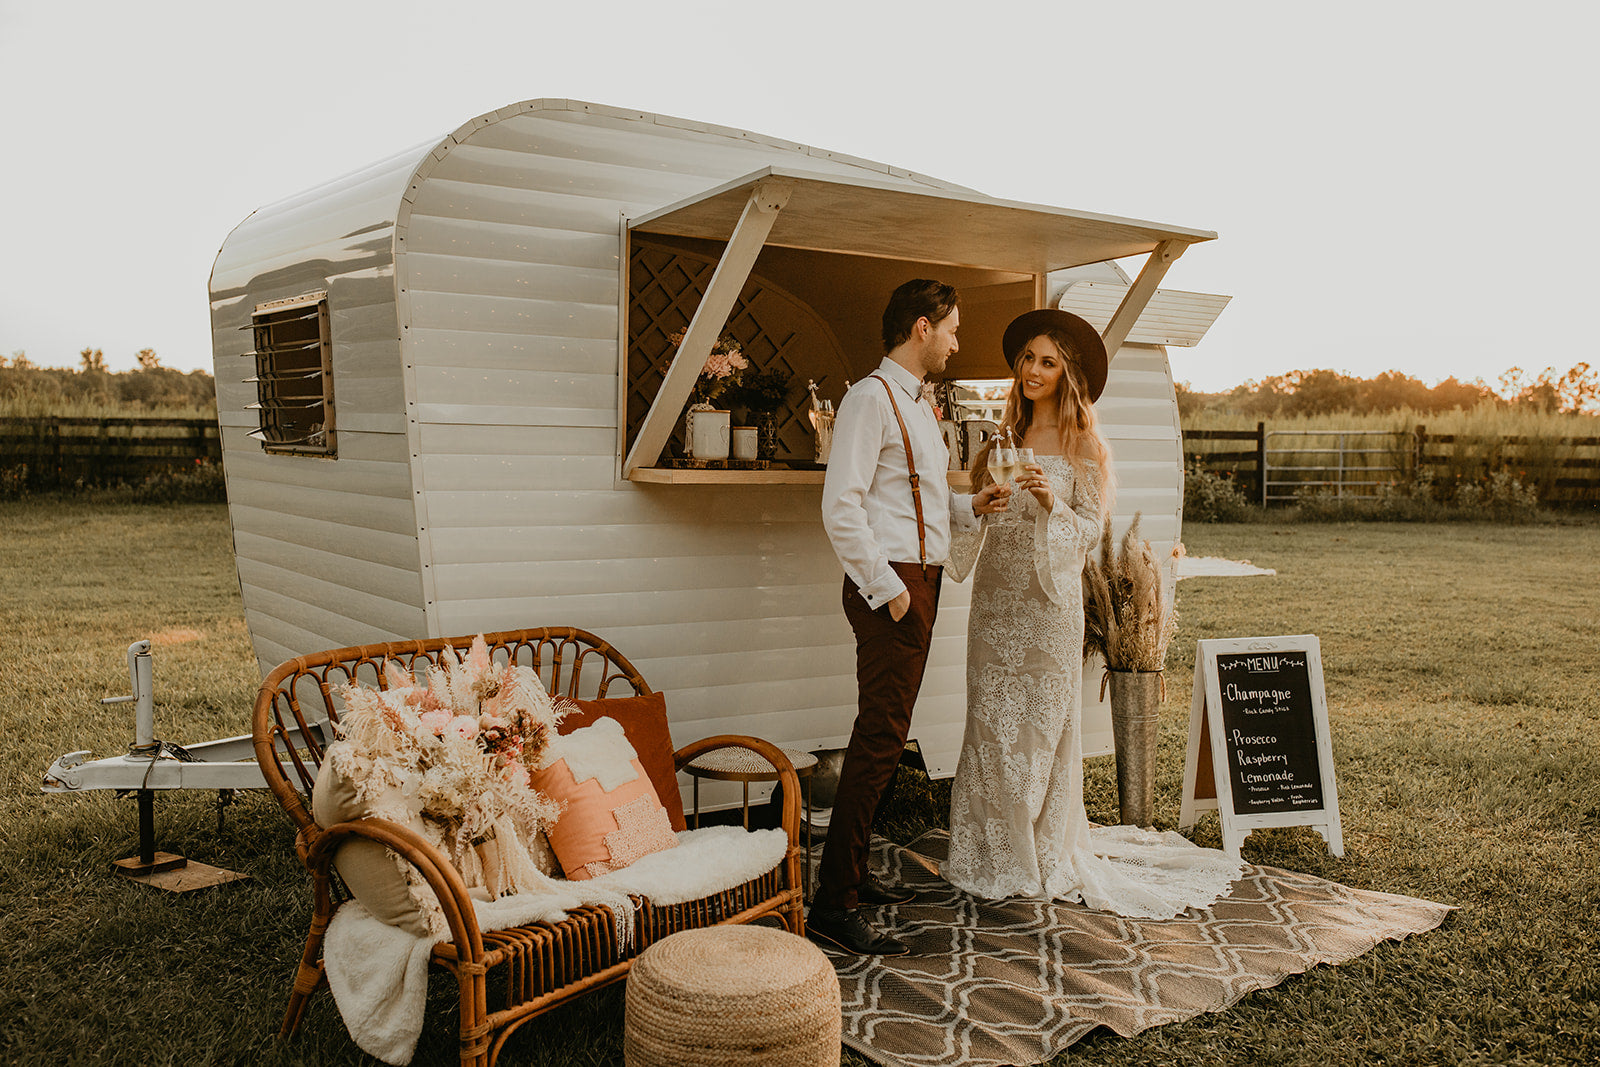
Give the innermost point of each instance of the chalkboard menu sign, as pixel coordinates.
(1260, 715)
(1269, 731)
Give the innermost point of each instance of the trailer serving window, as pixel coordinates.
(294, 376)
(796, 265)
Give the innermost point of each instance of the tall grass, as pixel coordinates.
(1485, 420)
(36, 405)
(1481, 449)
(1459, 664)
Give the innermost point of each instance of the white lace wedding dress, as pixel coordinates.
(1017, 821)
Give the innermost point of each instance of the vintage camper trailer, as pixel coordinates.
(448, 397)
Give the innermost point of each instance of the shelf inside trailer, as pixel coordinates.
(704, 476)
(960, 481)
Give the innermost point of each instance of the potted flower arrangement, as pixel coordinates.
(763, 394)
(1129, 623)
(706, 430)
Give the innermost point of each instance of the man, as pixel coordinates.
(891, 532)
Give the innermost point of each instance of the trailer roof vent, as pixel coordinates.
(294, 375)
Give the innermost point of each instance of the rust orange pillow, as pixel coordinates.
(612, 815)
(644, 721)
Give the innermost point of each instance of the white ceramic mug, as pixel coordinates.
(708, 434)
(744, 442)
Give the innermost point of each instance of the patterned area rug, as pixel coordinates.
(1015, 982)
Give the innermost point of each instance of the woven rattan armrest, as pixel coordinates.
(434, 866)
(787, 779)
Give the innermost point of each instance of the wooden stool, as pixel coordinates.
(730, 995)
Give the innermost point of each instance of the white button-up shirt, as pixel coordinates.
(867, 506)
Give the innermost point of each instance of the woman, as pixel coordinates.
(1017, 821)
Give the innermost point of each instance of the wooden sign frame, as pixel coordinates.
(1209, 749)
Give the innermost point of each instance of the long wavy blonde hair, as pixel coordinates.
(1082, 443)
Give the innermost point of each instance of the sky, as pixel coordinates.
(1398, 185)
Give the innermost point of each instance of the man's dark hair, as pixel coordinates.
(916, 299)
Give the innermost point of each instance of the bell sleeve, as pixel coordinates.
(1063, 536)
(966, 542)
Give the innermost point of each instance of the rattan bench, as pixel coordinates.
(543, 964)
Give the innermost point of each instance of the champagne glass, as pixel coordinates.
(1002, 460)
(1024, 458)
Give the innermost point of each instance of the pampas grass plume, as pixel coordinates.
(1126, 618)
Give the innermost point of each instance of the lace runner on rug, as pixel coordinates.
(1016, 981)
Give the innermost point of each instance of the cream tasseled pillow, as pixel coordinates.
(369, 869)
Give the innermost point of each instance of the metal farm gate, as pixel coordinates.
(1349, 463)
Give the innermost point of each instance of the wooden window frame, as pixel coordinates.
(293, 376)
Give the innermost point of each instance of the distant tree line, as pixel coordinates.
(1321, 392)
(1300, 392)
(149, 386)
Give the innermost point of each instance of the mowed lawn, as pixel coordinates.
(1461, 671)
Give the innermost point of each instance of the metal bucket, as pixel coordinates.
(1135, 728)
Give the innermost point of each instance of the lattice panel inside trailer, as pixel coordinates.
(776, 331)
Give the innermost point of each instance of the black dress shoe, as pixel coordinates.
(874, 894)
(845, 928)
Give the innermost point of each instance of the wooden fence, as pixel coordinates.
(56, 453)
(1246, 466)
(1564, 471)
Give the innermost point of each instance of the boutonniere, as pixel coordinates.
(930, 391)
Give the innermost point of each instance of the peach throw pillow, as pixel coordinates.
(612, 814)
(644, 720)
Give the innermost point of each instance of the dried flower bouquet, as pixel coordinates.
(455, 753)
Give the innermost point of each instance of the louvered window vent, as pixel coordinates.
(293, 375)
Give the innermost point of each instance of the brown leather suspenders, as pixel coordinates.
(916, 485)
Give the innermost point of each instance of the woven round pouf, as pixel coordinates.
(732, 995)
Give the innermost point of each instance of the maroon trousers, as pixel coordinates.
(890, 657)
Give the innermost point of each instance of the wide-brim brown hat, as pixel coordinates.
(1087, 347)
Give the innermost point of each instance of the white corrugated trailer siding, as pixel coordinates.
(326, 549)
(504, 296)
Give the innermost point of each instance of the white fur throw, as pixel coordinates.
(379, 973)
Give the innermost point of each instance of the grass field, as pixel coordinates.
(1460, 664)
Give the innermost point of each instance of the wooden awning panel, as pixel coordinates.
(1172, 317)
(862, 216)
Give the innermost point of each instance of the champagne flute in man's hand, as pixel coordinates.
(1002, 464)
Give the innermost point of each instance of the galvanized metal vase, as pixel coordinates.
(1135, 727)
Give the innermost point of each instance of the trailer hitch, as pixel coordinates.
(131, 775)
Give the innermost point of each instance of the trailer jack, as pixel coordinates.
(149, 762)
